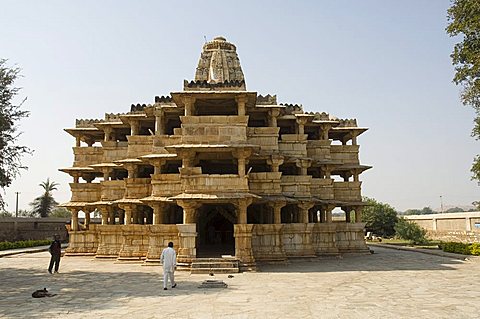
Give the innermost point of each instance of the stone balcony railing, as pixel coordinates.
(213, 129)
(166, 185)
(214, 183)
(137, 187)
(114, 151)
(322, 188)
(347, 154)
(139, 145)
(84, 156)
(265, 137)
(112, 190)
(265, 183)
(293, 145)
(347, 191)
(296, 185)
(85, 192)
(319, 149)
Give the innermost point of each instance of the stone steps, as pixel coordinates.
(215, 266)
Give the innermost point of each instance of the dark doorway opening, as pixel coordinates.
(215, 231)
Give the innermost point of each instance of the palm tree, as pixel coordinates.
(45, 203)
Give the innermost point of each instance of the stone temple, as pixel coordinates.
(218, 170)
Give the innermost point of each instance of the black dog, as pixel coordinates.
(42, 293)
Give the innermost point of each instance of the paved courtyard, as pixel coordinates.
(387, 284)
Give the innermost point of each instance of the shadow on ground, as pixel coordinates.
(382, 260)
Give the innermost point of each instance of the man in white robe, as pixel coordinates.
(169, 261)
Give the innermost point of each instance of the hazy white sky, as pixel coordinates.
(385, 63)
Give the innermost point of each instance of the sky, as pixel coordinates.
(384, 62)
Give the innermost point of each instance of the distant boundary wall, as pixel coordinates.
(14, 229)
(460, 227)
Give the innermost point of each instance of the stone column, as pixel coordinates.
(272, 118)
(108, 133)
(354, 138)
(86, 223)
(301, 121)
(303, 211)
(243, 246)
(159, 124)
(241, 103)
(104, 212)
(78, 141)
(277, 211)
(158, 213)
(303, 164)
(241, 206)
(74, 225)
(275, 162)
(121, 217)
(128, 214)
(189, 105)
(189, 211)
(134, 127)
(111, 216)
(347, 214)
(328, 213)
(358, 214)
(187, 249)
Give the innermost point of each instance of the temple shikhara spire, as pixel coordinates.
(219, 63)
(223, 172)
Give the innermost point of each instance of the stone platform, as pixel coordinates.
(387, 284)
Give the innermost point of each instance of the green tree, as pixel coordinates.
(10, 114)
(60, 212)
(408, 230)
(45, 203)
(380, 218)
(464, 21)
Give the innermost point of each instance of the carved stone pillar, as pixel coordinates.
(108, 133)
(189, 211)
(241, 103)
(275, 162)
(303, 164)
(187, 249)
(329, 213)
(277, 211)
(158, 213)
(128, 214)
(241, 206)
(77, 141)
(86, 223)
(134, 127)
(303, 211)
(74, 225)
(300, 128)
(189, 105)
(159, 123)
(358, 214)
(104, 211)
(243, 246)
(111, 216)
(272, 118)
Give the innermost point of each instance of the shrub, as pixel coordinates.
(408, 230)
(461, 248)
(4, 245)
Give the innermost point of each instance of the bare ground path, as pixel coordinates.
(387, 284)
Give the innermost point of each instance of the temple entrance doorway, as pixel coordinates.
(215, 230)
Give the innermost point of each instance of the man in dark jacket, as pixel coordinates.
(56, 251)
